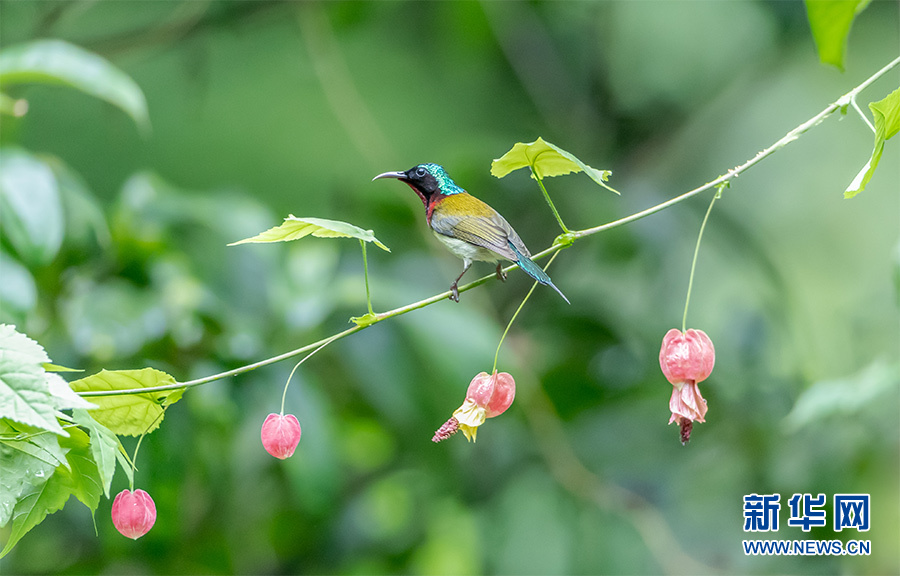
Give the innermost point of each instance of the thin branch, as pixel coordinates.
(861, 114)
(737, 171)
(844, 100)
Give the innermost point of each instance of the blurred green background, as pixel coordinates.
(260, 109)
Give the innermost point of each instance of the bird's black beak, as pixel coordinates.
(398, 175)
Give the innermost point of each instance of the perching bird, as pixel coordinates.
(471, 229)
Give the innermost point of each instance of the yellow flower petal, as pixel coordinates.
(470, 416)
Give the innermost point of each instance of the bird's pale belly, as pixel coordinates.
(467, 252)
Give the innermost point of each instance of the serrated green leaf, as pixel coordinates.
(830, 22)
(58, 62)
(295, 228)
(31, 212)
(546, 159)
(12, 340)
(104, 445)
(24, 391)
(28, 459)
(132, 414)
(886, 115)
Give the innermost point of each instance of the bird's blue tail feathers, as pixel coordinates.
(532, 269)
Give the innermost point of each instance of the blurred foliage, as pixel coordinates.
(118, 260)
(830, 21)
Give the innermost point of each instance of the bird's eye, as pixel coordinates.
(420, 172)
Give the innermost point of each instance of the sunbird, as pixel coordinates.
(468, 227)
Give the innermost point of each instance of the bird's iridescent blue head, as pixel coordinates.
(427, 180)
(445, 184)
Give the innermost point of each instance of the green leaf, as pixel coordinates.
(81, 473)
(830, 21)
(35, 442)
(50, 367)
(295, 228)
(39, 501)
(131, 414)
(43, 490)
(28, 459)
(25, 394)
(31, 213)
(546, 159)
(886, 114)
(64, 398)
(104, 445)
(58, 62)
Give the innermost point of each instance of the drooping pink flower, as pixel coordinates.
(280, 435)
(488, 395)
(133, 513)
(686, 355)
(686, 359)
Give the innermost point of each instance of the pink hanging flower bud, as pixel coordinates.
(280, 435)
(686, 359)
(133, 513)
(488, 395)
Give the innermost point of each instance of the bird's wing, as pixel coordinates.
(491, 233)
(517, 243)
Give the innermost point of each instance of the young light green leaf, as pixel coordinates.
(546, 159)
(104, 445)
(50, 367)
(295, 228)
(58, 62)
(132, 414)
(31, 212)
(886, 114)
(830, 22)
(24, 391)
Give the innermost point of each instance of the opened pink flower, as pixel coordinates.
(488, 395)
(686, 359)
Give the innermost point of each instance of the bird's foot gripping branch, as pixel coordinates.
(59, 438)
